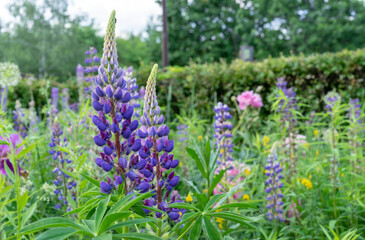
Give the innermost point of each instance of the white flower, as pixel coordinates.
(9, 74)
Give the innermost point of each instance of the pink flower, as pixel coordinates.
(5, 150)
(249, 98)
(256, 101)
(244, 99)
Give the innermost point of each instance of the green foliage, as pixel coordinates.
(311, 76)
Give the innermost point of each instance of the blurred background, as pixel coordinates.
(229, 45)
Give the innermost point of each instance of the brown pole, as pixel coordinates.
(165, 55)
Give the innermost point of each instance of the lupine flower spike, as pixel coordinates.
(274, 196)
(63, 182)
(155, 140)
(223, 135)
(114, 121)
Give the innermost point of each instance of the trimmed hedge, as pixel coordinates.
(311, 76)
(204, 84)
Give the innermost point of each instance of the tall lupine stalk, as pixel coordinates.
(91, 68)
(223, 138)
(333, 100)
(80, 82)
(354, 115)
(274, 195)
(62, 181)
(287, 106)
(155, 140)
(117, 130)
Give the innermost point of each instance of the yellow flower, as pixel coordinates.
(342, 175)
(200, 137)
(307, 183)
(317, 153)
(310, 176)
(180, 163)
(222, 150)
(205, 190)
(298, 180)
(316, 132)
(189, 198)
(306, 145)
(247, 171)
(246, 197)
(265, 140)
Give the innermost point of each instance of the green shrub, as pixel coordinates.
(311, 76)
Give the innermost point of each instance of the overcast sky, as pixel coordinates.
(132, 15)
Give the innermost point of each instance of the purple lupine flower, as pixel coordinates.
(117, 131)
(132, 87)
(223, 134)
(5, 150)
(273, 188)
(19, 120)
(54, 96)
(64, 184)
(91, 69)
(182, 132)
(156, 148)
(354, 110)
(331, 99)
(288, 104)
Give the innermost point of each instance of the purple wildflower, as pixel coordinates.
(15, 140)
(223, 133)
(274, 196)
(63, 181)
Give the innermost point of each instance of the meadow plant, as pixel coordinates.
(5, 152)
(19, 120)
(287, 107)
(274, 195)
(114, 120)
(63, 181)
(156, 148)
(91, 69)
(9, 76)
(223, 135)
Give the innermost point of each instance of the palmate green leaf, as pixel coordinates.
(237, 205)
(51, 222)
(112, 218)
(200, 155)
(57, 234)
(100, 211)
(235, 218)
(216, 180)
(137, 236)
(196, 229)
(90, 224)
(131, 223)
(184, 220)
(183, 206)
(119, 203)
(93, 181)
(132, 202)
(211, 229)
(198, 162)
(107, 236)
(213, 200)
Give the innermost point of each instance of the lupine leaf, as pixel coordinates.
(196, 229)
(93, 181)
(211, 229)
(57, 234)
